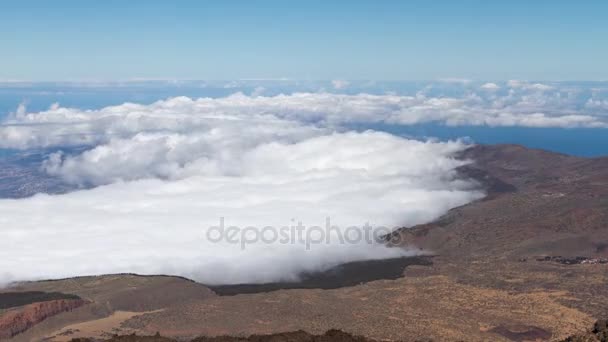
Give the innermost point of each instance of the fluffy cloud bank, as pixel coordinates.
(154, 226)
(164, 173)
(530, 105)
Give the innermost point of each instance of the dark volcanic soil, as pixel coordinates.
(14, 299)
(296, 336)
(349, 274)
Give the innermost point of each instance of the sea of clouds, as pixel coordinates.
(156, 177)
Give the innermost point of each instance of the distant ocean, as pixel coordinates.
(585, 142)
(589, 142)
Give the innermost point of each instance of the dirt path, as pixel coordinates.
(98, 328)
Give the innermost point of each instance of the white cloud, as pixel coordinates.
(597, 104)
(60, 126)
(258, 91)
(340, 84)
(168, 170)
(490, 86)
(529, 86)
(153, 226)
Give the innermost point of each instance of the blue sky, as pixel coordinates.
(388, 40)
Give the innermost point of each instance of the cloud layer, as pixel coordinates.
(154, 226)
(165, 172)
(514, 103)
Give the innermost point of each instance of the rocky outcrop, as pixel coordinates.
(18, 320)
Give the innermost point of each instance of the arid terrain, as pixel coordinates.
(527, 263)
